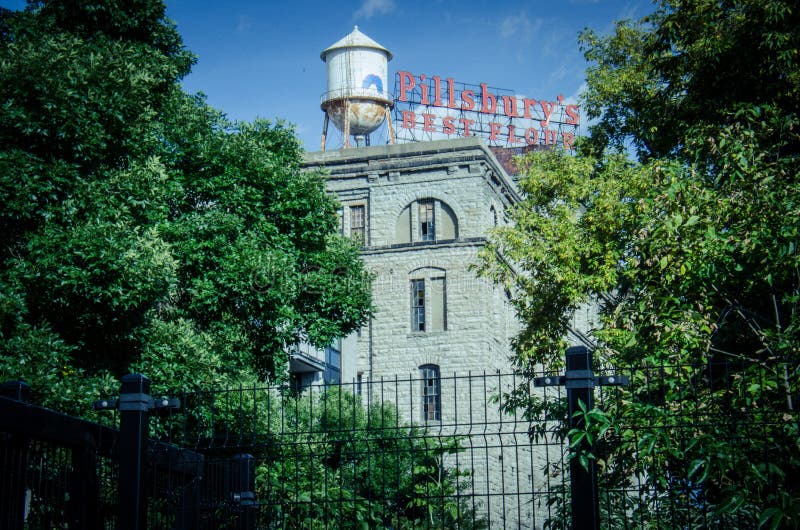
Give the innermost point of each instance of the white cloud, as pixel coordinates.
(559, 73)
(631, 11)
(519, 26)
(370, 8)
(244, 24)
(576, 98)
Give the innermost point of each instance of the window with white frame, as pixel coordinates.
(431, 392)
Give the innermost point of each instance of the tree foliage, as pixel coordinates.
(326, 458)
(691, 252)
(689, 65)
(337, 463)
(140, 227)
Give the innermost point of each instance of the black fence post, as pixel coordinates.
(242, 488)
(134, 406)
(580, 382)
(14, 467)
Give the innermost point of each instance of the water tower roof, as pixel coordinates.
(356, 39)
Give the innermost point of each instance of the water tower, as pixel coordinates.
(357, 100)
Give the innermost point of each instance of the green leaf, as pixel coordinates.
(772, 516)
(695, 466)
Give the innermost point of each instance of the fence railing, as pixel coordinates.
(55, 471)
(330, 454)
(498, 451)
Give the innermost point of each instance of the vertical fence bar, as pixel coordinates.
(242, 486)
(16, 497)
(579, 380)
(84, 490)
(134, 404)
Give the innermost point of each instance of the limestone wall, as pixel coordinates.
(462, 178)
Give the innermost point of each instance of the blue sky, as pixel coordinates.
(261, 58)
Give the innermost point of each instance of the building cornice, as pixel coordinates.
(424, 245)
(372, 162)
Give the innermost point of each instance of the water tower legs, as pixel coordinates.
(346, 131)
(363, 139)
(388, 119)
(324, 131)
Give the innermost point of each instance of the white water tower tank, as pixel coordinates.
(358, 99)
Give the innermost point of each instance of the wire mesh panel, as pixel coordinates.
(491, 451)
(329, 457)
(710, 445)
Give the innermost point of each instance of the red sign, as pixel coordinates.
(436, 106)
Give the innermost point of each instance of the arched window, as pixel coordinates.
(426, 216)
(431, 392)
(426, 220)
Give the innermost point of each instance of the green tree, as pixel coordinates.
(333, 462)
(689, 65)
(140, 228)
(690, 253)
(324, 458)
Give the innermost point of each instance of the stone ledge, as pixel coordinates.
(425, 245)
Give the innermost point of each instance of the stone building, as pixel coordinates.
(439, 343)
(423, 211)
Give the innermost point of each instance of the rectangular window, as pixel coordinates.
(426, 229)
(431, 393)
(333, 366)
(358, 224)
(417, 305)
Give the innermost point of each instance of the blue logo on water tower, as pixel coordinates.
(371, 80)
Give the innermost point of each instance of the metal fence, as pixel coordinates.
(496, 451)
(55, 471)
(338, 456)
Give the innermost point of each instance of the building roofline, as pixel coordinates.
(355, 39)
(456, 150)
